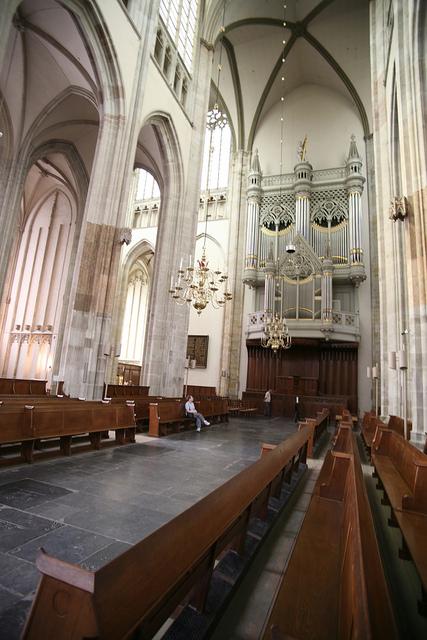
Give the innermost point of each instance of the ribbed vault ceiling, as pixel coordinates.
(327, 43)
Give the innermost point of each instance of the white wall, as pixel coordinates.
(325, 115)
(211, 321)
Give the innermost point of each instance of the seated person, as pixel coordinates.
(191, 412)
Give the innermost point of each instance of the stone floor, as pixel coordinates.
(89, 508)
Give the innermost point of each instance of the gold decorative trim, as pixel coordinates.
(295, 282)
(337, 227)
(283, 232)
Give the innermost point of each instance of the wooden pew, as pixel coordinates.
(169, 416)
(318, 426)
(199, 391)
(370, 423)
(17, 386)
(402, 473)
(26, 424)
(142, 405)
(137, 591)
(397, 424)
(334, 586)
(127, 391)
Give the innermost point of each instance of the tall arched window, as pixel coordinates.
(216, 154)
(148, 187)
(38, 288)
(180, 18)
(135, 311)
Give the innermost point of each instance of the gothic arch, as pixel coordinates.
(109, 98)
(140, 255)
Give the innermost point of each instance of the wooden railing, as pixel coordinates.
(141, 588)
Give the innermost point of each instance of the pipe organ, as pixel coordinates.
(303, 243)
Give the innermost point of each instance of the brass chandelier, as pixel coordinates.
(199, 285)
(276, 333)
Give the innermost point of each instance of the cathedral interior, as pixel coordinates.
(215, 198)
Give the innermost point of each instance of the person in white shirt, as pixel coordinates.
(267, 403)
(191, 412)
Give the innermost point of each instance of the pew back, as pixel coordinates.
(16, 386)
(336, 555)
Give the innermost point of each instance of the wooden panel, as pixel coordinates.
(310, 367)
(197, 349)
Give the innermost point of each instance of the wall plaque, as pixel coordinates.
(197, 349)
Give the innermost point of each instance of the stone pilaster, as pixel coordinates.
(233, 321)
(398, 56)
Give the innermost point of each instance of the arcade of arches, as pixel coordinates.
(103, 112)
(110, 180)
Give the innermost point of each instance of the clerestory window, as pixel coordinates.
(216, 154)
(179, 17)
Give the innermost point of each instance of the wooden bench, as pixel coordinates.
(199, 391)
(142, 405)
(128, 391)
(137, 591)
(334, 586)
(26, 424)
(169, 416)
(17, 386)
(402, 473)
(370, 424)
(397, 424)
(318, 426)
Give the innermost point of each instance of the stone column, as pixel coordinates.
(89, 344)
(233, 317)
(402, 47)
(167, 329)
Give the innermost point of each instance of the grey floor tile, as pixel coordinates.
(22, 579)
(12, 619)
(7, 599)
(18, 527)
(67, 543)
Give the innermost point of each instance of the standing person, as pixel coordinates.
(296, 418)
(267, 403)
(191, 412)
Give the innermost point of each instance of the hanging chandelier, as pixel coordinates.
(199, 285)
(276, 333)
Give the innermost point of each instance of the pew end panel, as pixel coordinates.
(65, 592)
